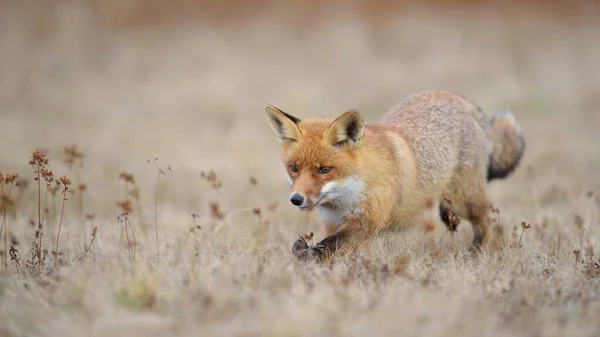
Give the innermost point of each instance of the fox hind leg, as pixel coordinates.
(477, 209)
(471, 204)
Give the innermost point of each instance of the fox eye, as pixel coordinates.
(324, 170)
(294, 168)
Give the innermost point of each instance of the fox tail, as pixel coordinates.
(508, 145)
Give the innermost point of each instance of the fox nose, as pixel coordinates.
(297, 199)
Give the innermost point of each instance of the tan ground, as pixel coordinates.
(193, 95)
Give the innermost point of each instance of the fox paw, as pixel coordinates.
(307, 253)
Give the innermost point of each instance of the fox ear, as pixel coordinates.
(284, 125)
(347, 130)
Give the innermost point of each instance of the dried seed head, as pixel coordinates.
(47, 175)
(125, 206)
(256, 210)
(66, 182)
(73, 156)
(127, 177)
(525, 225)
(13, 253)
(211, 178)
(82, 187)
(215, 211)
(453, 221)
(10, 178)
(38, 158)
(428, 226)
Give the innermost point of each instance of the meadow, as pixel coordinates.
(143, 193)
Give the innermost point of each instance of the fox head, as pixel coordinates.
(320, 157)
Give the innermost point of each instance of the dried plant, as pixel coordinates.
(211, 178)
(125, 206)
(131, 242)
(496, 210)
(194, 225)
(73, 158)
(524, 226)
(453, 222)
(308, 237)
(7, 182)
(160, 171)
(127, 177)
(14, 256)
(64, 182)
(87, 249)
(39, 163)
(130, 196)
(128, 187)
(48, 177)
(255, 212)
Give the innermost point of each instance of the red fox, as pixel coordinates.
(434, 146)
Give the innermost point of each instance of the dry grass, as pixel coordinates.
(142, 253)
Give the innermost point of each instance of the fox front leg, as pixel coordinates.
(323, 248)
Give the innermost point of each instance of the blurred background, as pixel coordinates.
(187, 82)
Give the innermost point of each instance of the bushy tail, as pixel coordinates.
(508, 145)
